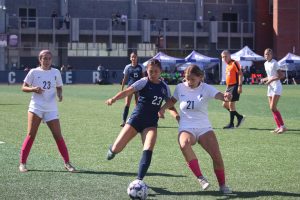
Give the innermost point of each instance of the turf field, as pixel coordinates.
(259, 164)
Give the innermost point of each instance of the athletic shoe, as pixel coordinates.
(229, 126)
(110, 154)
(69, 167)
(240, 121)
(203, 182)
(225, 189)
(281, 130)
(275, 130)
(22, 168)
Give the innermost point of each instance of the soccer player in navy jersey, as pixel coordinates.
(132, 73)
(194, 126)
(152, 91)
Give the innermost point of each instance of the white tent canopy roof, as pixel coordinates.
(290, 62)
(196, 57)
(246, 54)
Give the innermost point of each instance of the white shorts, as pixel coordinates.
(45, 116)
(196, 132)
(273, 90)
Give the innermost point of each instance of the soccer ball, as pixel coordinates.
(137, 189)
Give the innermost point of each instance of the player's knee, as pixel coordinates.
(184, 145)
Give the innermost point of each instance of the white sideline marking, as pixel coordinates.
(2, 142)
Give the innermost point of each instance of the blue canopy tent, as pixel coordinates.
(290, 62)
(166, 61)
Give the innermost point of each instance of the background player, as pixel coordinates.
(45, 83)
(144, 118)
(194, 126)
(132, 73)
(274, 75)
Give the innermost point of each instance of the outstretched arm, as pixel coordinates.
(223, 97)
(169, 104)
(120, 95)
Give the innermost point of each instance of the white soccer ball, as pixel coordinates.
(137, 189)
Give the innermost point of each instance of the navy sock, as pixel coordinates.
(237, 114)
(144, 164)
(125, 113)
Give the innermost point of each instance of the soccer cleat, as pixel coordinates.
(203, 182)
(22, 168)
(229, 126)
(69, 167)
(225, 189)
(281, 130)
(275, 130)
(110, 154)
(240, 121)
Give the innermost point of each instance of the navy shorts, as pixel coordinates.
(140, 124)
(233, 89)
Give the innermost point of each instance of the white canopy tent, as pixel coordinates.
(289, 63)
(245, 57)
(165, 60)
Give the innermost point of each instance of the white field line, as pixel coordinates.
(2, 142)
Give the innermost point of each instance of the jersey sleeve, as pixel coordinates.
(125, 72)
(175, 94)
(238, 66)
(212, 91)
(276, 66)
(58, 79)
(29, 77)
(140, 84)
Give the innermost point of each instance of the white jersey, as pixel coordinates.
(271, 68)
(48, 80)
(193, 104)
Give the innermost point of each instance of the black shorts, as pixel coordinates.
(233, 89)
(139, 124)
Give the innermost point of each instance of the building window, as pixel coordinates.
(28, 17)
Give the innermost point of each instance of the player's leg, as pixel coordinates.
(126, 134)
(33, 124)
(149, 136)
(209, 142)
(273, 101)
(54, 126)
(186, 140)
(126, 109)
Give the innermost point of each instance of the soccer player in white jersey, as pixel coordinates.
(194, 126)
(45, 83)
(272, 80)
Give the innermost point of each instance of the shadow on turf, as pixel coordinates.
(267, 129)
(127, 173)
(234, 195)
(107, 173)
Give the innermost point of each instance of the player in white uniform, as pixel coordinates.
(274, 75)
(45, 83)
(194, 126)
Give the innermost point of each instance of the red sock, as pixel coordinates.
(27, 144)
(220, 174)
(194, 166)
(279, 118)
(63, 149)
(276, 119)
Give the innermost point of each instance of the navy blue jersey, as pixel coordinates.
(150, 99)
(133, 73)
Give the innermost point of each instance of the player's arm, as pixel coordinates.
(174, 113)
(275, 78)
(223, 97)
(124, 81)
(240, 77)
(169, 104)
(59, 93)
(27, 88)
(120, 95)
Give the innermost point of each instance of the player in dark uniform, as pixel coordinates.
(132, 73)
(144, 118)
